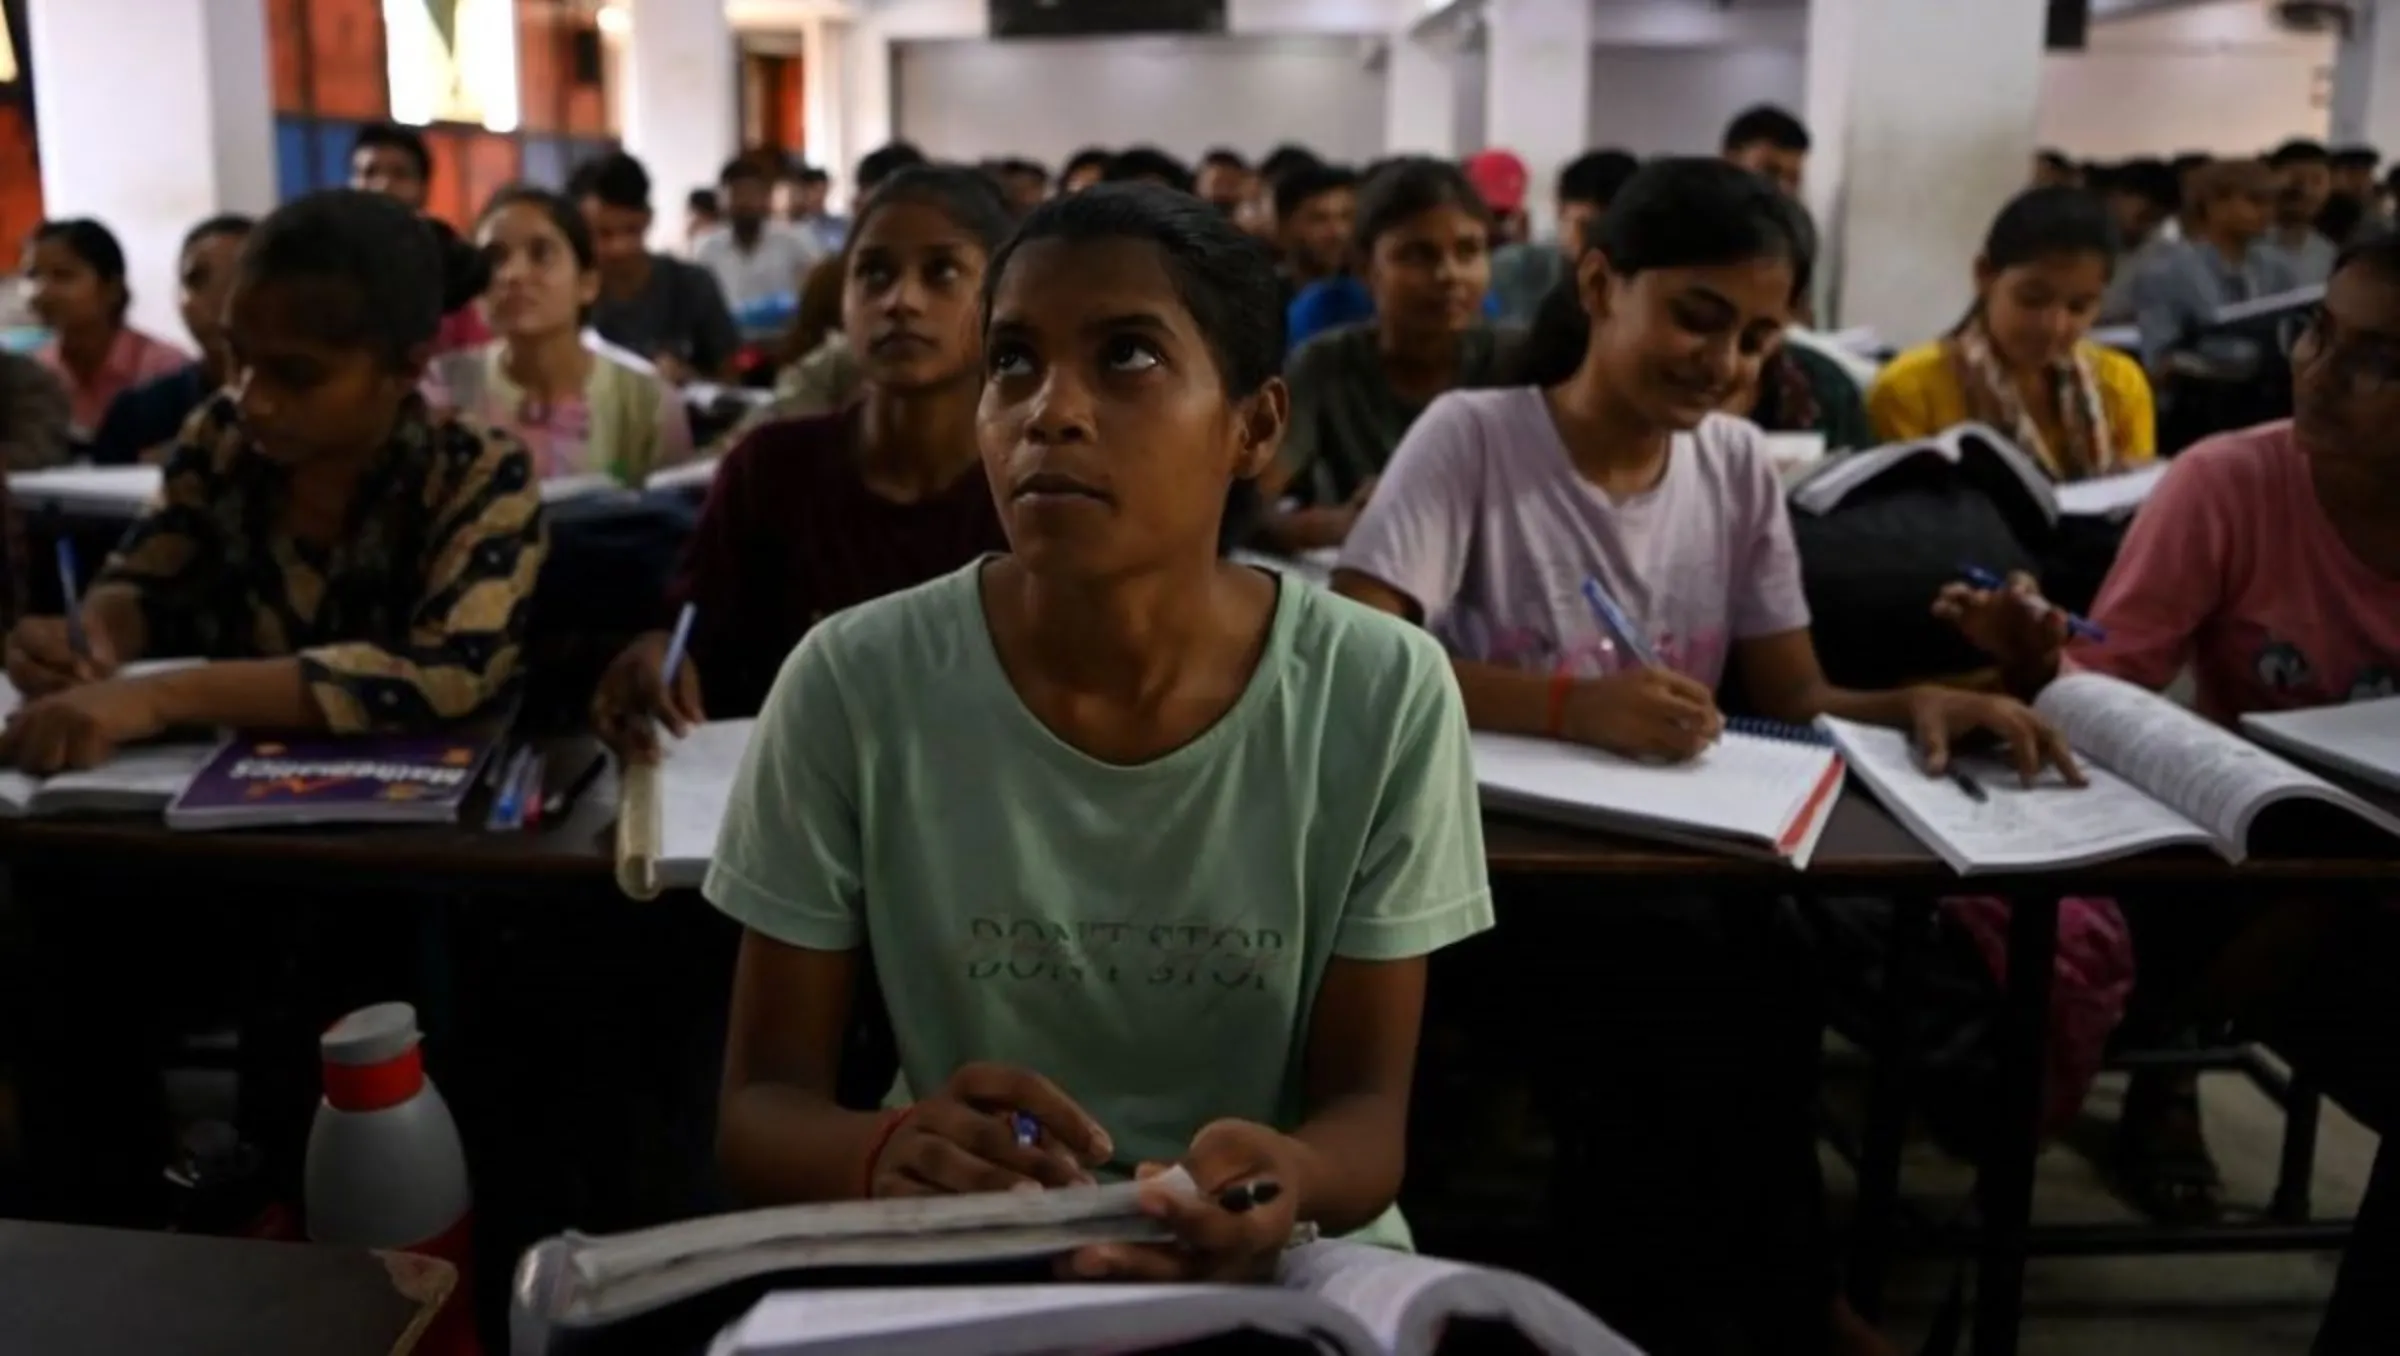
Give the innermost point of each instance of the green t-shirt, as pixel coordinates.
(1346, 418)
(1149, 937)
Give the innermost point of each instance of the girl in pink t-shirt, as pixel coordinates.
(2267, 563)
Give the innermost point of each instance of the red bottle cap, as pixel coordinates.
(372, 1058)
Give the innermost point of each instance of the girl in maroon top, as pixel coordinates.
(808, 516)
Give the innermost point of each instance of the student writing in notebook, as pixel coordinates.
(809, 516)
(2020, 361)
(1424, 244)
(1619, 469)
(2267, 564)
(577, 410)
(1020, 782)
(348, 560)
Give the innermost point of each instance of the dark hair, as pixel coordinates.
(616, 179)
(557, 206)
(1678, 212)
(2380, 252)
(966, 196)
(2054, 158)
(703, 201)
(1407, 187)
(392, 136)
(1767, 123)
(2184, 162)
(810, 174)
(224, 223)
(2151, 180)
(2355, 157)
(1224, 157)
(383, 260)
(1286, 158)
(2042, 222)
(1312, 180)
(744, 168)
(1090, 157)
(1147, 162)
(97, 247)
(885, 161)
(1017, 164)
(1225, 278)
(2299, 151)
(1596, 177)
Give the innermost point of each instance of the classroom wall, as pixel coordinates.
(2206, 77)
(1045, 99)
(1676, 101)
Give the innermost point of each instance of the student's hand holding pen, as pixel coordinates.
(964, 1138)
(2022, 632)
(634, 699)
(42, 657)
(1642, 713)
(81, 726)
(1234, 1229)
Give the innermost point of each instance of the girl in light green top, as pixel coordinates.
(1151, 846)
(579, 412)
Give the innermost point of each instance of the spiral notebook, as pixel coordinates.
(1764, 790)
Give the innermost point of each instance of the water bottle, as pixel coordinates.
(385, 1168)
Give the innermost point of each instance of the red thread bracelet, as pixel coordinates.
(882, 1139)
(1562, 683)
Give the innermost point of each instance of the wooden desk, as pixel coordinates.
(106, 1292)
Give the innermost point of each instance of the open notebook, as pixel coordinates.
(141, 779)
(1341, 1298)
(2161, 776)
(1996, 462)
(2360, 738)
(88, 491)
(1753, 794)
(668, 814)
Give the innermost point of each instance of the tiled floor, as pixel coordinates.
(2188, 1306)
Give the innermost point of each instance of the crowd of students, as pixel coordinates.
(1015, 699)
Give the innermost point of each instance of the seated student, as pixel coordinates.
(1130, 704)
(1148, 165)
(810, 516)
(2267, 566)
(347, 561)
(2223, 258)
(578, 411)
(143, 422)
(2143, 198)
(1619, 468)
(1083, 169)
(1423, 241)
(76, 272)
(1316, 212)
(1527, 271)
(2019, 361)
(1770, 143)
(395, 161)
(33, 415)
(663, 308)
(2303, 185)
(756, 259)
(2353, 211)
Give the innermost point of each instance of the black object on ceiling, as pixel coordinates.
(1103, 18)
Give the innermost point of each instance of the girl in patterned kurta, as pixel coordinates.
(347, 560)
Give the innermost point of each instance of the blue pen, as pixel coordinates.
(675, 646)
(508, 808)
(2076, 626)
(1614, 621)
(1029, 1130)
(76, 640)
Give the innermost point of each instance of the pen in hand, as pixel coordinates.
(1973, 788)
(76, 639)
(1620, 627)
(2081, 627)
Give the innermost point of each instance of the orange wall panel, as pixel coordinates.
(20, 184)
(345, 43)
(488, 162)
(287, 24)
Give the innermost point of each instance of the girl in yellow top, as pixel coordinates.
(2020, 361)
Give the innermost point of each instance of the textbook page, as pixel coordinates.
(2014, 827)
(695, 780)
(2360, 738)
(1023, 1320)
(2213, 776)
(1403, 1300)
(2114, 496)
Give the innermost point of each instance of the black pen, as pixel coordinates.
(1973, 788)
(560, 802)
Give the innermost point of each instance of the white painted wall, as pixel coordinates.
(1677, 100)
(196, 73)
(2208, 77)
(1046, 99)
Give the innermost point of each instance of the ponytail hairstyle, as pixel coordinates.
(1678, 212)
(466, 274)
(2039, 223)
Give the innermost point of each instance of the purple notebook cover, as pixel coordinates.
(263, 778)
